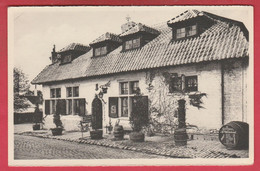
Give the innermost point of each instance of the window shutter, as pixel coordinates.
(145, 106)
(63, 107)
(113, 107)
(47, 107)
(81, 107)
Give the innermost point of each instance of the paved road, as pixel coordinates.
(27, 147)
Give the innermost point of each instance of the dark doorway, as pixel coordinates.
(97, 113)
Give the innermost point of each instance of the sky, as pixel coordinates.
(34, 30)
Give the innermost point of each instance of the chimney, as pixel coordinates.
(127, 26)
(53, 55)
(35, 90)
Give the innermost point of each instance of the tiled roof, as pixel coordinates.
(140, 28)
(221, 41)
(107, 36)
(75, 46)
(185, 15)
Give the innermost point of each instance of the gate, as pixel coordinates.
(97, 113)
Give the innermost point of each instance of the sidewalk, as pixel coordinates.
(160, 145)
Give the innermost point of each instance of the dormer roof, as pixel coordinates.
(189, 14)
(106, 37)
(75, 47)
(140, 28)
(224, 39)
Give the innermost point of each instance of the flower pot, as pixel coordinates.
(119, 132)
(36, 127)
(96, 134)
(56, 131)
(180, 137)
(136, 136)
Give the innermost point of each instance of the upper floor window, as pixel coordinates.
(191, 83)
(186, 31)
(73, 91)
(187, 83)
(132, 44)
(55, 93)
(66, 59)
(129, 87)
(100, 51)
(124, 88)
(134, 85)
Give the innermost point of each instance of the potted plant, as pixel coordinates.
(37, 118)
(118, 131)
(109, 127)
(57, 121)
(139, 117)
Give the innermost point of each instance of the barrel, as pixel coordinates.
(119, 132)
(180, 137)
(234, 135)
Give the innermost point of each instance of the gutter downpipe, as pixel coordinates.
(222, 93)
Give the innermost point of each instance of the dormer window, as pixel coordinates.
(100, 51)
(132, 44)
(66, 59)
(105, 44)
(186, 31)
(137, 35)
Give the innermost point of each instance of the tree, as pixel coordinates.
(21, 88)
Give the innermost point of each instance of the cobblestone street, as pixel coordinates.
(28, 147)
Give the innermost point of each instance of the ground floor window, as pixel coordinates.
(122, 106)
(67, 107)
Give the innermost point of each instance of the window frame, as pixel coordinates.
(130, 95)
(54, 93)
(186, 32)
(133, 43)
(183, 82)
(192, 88)
(102, 50)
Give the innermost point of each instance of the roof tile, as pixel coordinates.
(220, 41)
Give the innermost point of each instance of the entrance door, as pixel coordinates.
(97, 113)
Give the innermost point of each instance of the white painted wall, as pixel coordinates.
(209, 82)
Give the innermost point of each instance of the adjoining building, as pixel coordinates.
(200, 51)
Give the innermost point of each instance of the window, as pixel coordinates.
(132, 44)
(69, 91)
(66, 59)
(73, 91)
(186, 31)
(124, 106)
(188, 83)
(124, 88)
(69, 106)
(176, 85)
(191, 83)
(180, 33)
(101, 51)
(191, 30)
(55, 93)
(127, 90)
(76, 106)
(134, 85)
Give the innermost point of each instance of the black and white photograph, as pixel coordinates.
(130, 85)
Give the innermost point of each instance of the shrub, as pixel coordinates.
(139, 116)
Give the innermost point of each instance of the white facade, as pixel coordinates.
(210, 80)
